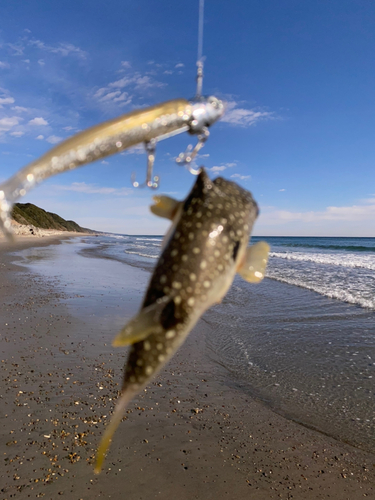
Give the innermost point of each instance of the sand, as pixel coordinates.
(191, 434)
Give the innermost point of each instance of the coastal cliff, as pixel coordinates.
(27, 214)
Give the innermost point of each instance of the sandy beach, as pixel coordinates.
(193, 433)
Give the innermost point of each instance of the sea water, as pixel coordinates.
(302, 341)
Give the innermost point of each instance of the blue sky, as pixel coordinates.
(298, 77)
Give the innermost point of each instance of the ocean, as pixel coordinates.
(302, 341)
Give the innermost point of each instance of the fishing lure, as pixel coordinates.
(142, 126)
(204, 248)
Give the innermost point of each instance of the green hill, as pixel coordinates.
(27, 213)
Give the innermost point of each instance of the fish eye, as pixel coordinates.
(235, 250)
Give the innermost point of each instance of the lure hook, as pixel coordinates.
(151, 181)
(190, 154)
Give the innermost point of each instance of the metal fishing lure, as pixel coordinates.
(143, 126)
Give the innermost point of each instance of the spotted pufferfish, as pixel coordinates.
(205, 247)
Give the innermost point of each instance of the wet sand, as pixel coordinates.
(191, 434)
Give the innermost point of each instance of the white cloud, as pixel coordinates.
(68, 128)
(135, 83)
(26, 61)
(281, 190)
(180, 65)
(17, 134)
(104, 162)
(38, 121)
(110, 96)
(8, 123)
(20, 109)
(40, 137)
(222, 167)
(4, 65)
(242, 177)
(82, 187)
(6, 100)
(41, 62)
(145, 82)
(217, 169)
(54, 139)
(244, 117)
(168, 72)
(136, 79)
(115, 96)
(123, 82)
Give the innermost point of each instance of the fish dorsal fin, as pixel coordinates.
(253, 266)
(165, 206)
(147, 321)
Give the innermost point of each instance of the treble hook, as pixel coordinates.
(151, 182)
(190, 154)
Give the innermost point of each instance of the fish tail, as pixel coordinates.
(117, 416)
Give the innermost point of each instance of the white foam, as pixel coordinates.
(150, 239)
(142, 254)
(350, 260)
(334, 291)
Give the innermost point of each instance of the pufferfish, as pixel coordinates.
(205, 247)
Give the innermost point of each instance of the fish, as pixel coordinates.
(206, 245)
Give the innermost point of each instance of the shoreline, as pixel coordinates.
(189, 434)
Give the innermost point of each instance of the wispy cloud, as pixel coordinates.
(217, 169)
(364, 211)
(20, 109)
(180, 65)
(64, 49)
(40, 137)
(222, 167)
(281, 190)
(135, 83)
(83, 187)
(116, 96)
(16, 49)
(244, 117)
(242, 177)
(4, 65)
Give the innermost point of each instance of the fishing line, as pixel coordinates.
(200, 49)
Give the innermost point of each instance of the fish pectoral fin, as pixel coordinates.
(165, 206)
(147, 321)
(253, 266)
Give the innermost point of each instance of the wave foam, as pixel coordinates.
(344, 260)
(341, 294)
